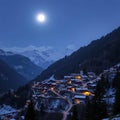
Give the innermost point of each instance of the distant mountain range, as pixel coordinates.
(42, 56)
(98, 55)
(18, 68)
(21, 64)
(45, 58)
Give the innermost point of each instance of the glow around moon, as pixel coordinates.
(41, 18)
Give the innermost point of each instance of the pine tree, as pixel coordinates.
(75, 114)
(116, 108)
(42, 108)
(116, 81)
(100, 89)
(116, 84)
(97, 109)
(90, 111)
(30, 114)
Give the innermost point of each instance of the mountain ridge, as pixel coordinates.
(98, 55)
(21, 64)
(9, 78)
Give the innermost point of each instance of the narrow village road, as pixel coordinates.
(66, 112)
(36, 106)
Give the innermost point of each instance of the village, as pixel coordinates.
(53, 95)
(62, 95)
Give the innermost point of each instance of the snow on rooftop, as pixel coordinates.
(81, 88)
(80, 96)
(67, 76)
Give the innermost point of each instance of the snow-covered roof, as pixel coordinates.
(61, 80)
(67, 76)
(80, 96)
(81, 88)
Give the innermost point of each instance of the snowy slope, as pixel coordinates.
(5, 53)
(6, 109)
(116, 117)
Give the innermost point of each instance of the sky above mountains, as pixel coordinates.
(69, 23)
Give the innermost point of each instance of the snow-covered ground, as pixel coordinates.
(117, 117)
(109, 97)
(6, 109)
(9, 113)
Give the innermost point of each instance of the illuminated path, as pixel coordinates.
(66, 112)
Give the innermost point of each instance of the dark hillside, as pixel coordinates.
(98, 55)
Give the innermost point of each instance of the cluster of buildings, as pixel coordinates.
(76, 87)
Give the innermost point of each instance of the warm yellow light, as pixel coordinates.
(77, 101)
(78, 77)
(52, 88)
(69, 82)
(86, 93)
(73, 89)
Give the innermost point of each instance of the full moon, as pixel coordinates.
(41, 18)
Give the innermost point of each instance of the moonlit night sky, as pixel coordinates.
(67, 22)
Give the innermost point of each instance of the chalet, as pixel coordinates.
(67, 77)
(88, 93)
(79, 98)
(71, 88)
(91, 74)
(76, 76)
(52, 88)
(81, 89)
(69, 82)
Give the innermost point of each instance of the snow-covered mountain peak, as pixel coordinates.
(8, 53)
(42, 56)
